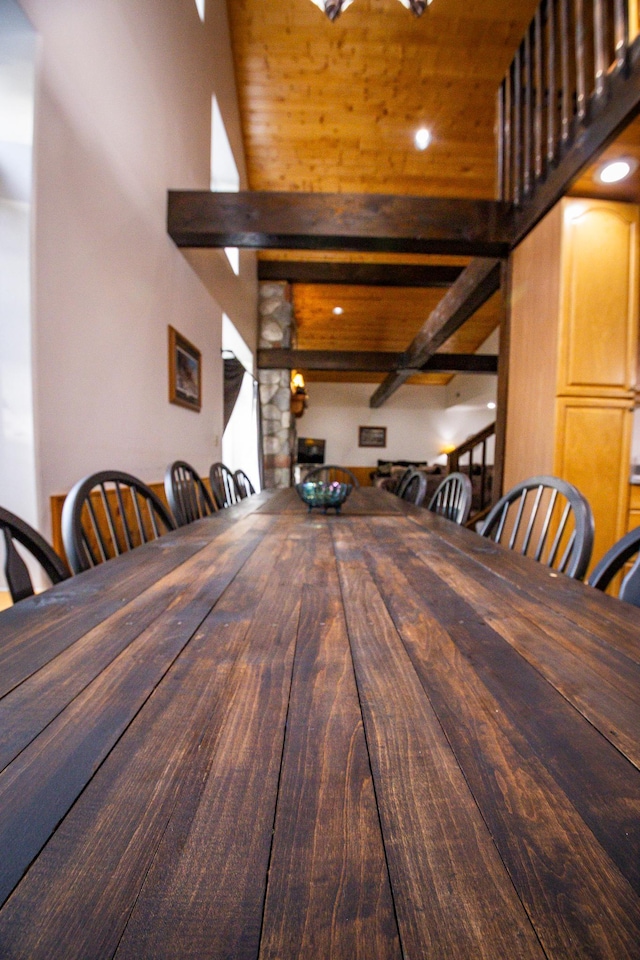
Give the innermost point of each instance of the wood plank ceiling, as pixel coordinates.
(333, 107)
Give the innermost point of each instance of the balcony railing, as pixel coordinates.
(556, 83)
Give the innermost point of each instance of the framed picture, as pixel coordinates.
(185, 372)
(372, 436)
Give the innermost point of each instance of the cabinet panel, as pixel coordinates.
(599, 298)
(593, 452)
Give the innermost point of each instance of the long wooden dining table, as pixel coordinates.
(278, 734)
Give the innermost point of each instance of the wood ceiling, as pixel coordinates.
(333, 107)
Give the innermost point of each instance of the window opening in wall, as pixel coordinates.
(18, 490)
(241, 436)
(224, 172)
(200, 7)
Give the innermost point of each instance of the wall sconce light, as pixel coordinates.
(299, 395)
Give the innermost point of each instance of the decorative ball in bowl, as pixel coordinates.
(319, 493)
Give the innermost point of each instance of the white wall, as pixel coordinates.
(418, 421)
(123, 113)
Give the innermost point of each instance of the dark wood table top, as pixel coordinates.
(277, 734)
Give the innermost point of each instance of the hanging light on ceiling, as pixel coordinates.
(334, 8)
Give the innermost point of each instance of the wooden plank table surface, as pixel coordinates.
(278, 734)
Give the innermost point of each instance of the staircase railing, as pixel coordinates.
(474, 454)
(555, 86)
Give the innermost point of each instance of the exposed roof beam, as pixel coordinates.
(362, 361)
(360, 274)
(339, 221)
(476, 284)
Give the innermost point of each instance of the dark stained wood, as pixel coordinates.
(608, 117)
(338, 221)
(360, 274)
(476, 284)
(508, 774)
(367, 361)
(328, 860)
(417, 785)
(502, 393)
(367, 735)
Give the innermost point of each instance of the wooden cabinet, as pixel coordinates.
(572, 368)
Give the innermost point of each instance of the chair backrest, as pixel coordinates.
(613, 561)
(243, 484)
(186, 494)
(415, 488)
(109, 513)
(15, 530)
(403, 481)
(545, 518)
(453, 498)
(223, 486)
(332, 473)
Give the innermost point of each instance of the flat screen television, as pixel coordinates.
(310, 450)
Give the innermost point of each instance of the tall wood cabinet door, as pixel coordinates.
(599, 299)
(593, 440)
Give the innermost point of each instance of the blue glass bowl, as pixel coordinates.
(318, 493)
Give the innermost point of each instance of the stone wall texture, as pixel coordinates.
(276, 330)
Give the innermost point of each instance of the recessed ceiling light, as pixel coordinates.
(422, 138)
(337, 311)
(616, 170)
(491, 405)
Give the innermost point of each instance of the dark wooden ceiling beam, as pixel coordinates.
(359, 274)
(362, 361)
(479, 281)
(339, 221)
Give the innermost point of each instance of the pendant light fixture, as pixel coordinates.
(333, 8)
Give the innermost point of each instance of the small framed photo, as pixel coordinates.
(372, 436)
(185, 372)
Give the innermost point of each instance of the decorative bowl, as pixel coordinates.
(318, 493)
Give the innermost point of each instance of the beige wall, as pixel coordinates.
(123, 113)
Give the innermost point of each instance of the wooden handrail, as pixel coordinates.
(559, 78)
(477, 442)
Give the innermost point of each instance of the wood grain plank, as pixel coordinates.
(76, 898)
(40, 785)
(602, 785)
(29, 707)
(452, 893)
(578, 901)
(375, 501)
(204, 894)
(328, 892)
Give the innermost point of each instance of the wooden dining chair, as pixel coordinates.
(402, 482)
(186, 494)
(452, 499)
(15, 530)
(332, 473)
(109, 513)
(613, 562)
(545, 518)
(243, 484)
(223, 486)
(415, 488)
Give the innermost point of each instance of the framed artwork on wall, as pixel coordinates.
(372, 436)
(185, 372)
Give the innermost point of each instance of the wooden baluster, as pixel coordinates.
(567, 111)
(539, 94)
(508, 143)
(581, 91)
(528, 112)
(500, 120)
(517, 126)
(620, 32)
(599, 48)
(551, 82)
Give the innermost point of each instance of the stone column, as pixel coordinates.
(276, 323)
